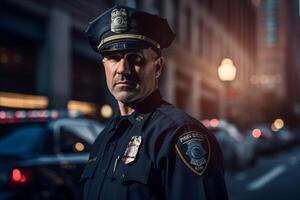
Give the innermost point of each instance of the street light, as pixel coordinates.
(227, 73)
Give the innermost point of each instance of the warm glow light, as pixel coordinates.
(274, 128)
(4, 58)
(79, 146)
(214, 123)
(256, 133)
(266, 79)
(14, 100)
(227, 71)
(278, 124)
(106, 111)
(81, 106)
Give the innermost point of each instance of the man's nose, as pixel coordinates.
(123, 67)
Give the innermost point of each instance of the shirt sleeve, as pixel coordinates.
(194, 168)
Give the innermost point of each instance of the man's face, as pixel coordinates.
(131, 76)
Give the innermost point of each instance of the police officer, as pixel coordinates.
(151, 149)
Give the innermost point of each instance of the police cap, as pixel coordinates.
(122, 28)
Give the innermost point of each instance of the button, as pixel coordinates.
(139, 118)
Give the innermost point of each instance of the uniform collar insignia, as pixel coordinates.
(119, 20)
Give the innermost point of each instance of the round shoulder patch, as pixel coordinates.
(193, 149)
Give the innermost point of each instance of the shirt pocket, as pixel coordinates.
(137, 172)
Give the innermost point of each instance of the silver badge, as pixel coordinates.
(118, 20)
(132, 149)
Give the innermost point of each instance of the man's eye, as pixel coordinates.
(135, 59)
(114, 58)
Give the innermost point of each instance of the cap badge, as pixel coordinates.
(118, 20)
(132, 149)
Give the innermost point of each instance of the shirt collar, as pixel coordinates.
(143, 109)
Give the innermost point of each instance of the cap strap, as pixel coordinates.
(128, 36)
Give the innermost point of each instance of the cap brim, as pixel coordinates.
(124, 45)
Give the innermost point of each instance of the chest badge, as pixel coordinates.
(132, 149)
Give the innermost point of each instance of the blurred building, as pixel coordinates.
(276, 76)
(44, 52)
(207, 32)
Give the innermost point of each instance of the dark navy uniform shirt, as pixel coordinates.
(158, 153)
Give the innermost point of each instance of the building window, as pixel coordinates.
(270, 21)
(299, 7)
(176, 18)
(209, 108)
(183, 86)
(188, 27)
(158, 6)
(209, 102)
(200, 37)
(88, 80)
(17, 64)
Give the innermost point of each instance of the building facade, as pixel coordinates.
(44, 51)
(49, 54)
(276, 76)
(207, 32)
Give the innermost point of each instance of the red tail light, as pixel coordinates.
(20, 176)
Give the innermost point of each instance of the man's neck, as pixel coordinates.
(125, 109)
(128, 109)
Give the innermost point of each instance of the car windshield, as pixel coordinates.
(23, 141)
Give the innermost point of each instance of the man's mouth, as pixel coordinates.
(126, 83)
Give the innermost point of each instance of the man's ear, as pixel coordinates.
(101, 59)
(160, 63)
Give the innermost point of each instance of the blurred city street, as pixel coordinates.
(274, 177)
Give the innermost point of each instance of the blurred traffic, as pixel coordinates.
(241, 148)
(43, 152)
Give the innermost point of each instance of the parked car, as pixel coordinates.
(286, 136)
(296, 131)
(44, 159)
(238, 151)
(266, 139)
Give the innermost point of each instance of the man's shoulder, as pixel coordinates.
(174, 122)
(176, 116)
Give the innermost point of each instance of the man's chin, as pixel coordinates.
(126, 97)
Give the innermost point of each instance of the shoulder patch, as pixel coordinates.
(193, 149)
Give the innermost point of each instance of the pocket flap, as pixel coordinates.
(136, 172)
